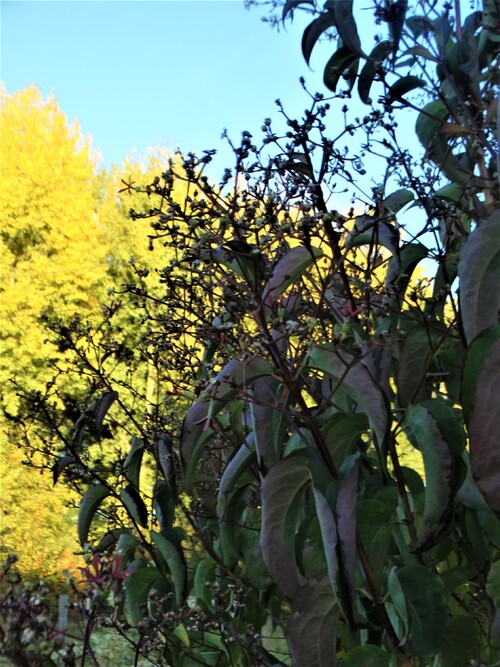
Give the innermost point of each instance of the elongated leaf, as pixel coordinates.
(369, 72)
(164, 504)
(443, 466)
(342, 64)
(134, 505)
(397, 200)
(370, 230)
(240, 462)
(396, 23)
(93, 497)
(346, 25)
(479, 273)
(104, 405)
(203, 577)
(345, 511)
(314, 31)
(137, 588)
(358, 382)
(269, 425)
(165, 456)
(175, 564)
(132, 465)
(126, 547)
(59, 466)
(310, 631)
(282, 495)
(493, 591)
(290, 5)
(422, 52)
(329, 536)
(341, 433)
(289, 269)
(110, 538)
(427, 612)
(480, 392)
(414, 363)
(236, 375)
(403, 86)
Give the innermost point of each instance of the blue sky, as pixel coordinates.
(140, 74)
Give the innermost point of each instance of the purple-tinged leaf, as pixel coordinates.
(269, 424)
(59, 466)
(311, 629)
(290, 5)
(480, 392)
(346, 25)
(356, 379)
(196, 430)
(345, 510)
(282, 498)
(287, 270)
(479, 273)
(105, 403)
(91, 500)
(369, 72)
(241, 461)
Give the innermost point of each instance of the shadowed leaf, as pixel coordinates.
(93, 497)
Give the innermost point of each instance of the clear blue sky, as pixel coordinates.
(139, 74)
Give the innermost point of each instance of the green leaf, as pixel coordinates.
(443, 465)
(371, 68)
(342, 64)
(366, 656)
(479, 273)
(460, 642)
(132, 465)
(403, 86)
(59, 466)
(353, 375)
(415, 361)
(163, 504)
(137, 588)
(480, 391)
(241, 461)
(422, 52)
(175, 564)
(341, 433)
(134, 505)
(196, 431)
(427, 612)
(314, 31)
(164, 450)
(288, 269)
(346, 25)
(282, 495)
(269, 425)
(105, 403)
(397, 200)
(493, 591)
(204, 575)
(127, 545)
(93, 497)
(311, 629)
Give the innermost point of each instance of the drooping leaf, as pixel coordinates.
(175, 564)
(357, 380)
(237, 465)
(329, 536)
(479, 273)
(346, 25)
(422, 52)
(415, 361)
(105, 403)
(269, 424)
(163, 504)
(345, 510)
(59, 466)
(236, 375)
(314, 31)
(311, 628)
(371, 230)
(440, 439)
(290, 5)
(480, 391)
(420, 25)
(289, 269)
(342, 64)
(134, 505)
(341, 432)
(127, 545)
(93, 497)
(132, 464)
(370, 69)
(398, 13)
(282, 495)
(137, 588)
(110, 538)
(403, 86)
(166, 457)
